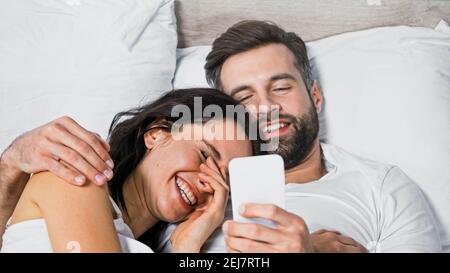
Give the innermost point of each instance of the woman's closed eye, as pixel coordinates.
(204, 155)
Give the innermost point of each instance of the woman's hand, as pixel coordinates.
(190, 235)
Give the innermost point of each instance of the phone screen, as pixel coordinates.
(256, 179)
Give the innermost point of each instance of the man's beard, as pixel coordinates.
(295, 147)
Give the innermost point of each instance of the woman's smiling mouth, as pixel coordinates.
(186, 191)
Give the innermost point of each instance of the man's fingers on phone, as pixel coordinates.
(78, 162)
(63, 172)
(251, 231)
(232, 250)
(270, 212)
(89, 138)
(247, 245)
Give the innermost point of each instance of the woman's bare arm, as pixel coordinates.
(80, 217)
(36, 151)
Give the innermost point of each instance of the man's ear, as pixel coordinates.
(316, 96)
(154, 137)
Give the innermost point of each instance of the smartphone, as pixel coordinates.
(256, 179)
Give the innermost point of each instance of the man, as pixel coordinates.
(327, 188)
(373, 204)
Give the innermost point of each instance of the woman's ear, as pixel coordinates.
(154, 137)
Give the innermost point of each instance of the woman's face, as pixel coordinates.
(171, 166)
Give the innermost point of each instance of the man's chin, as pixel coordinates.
(277, 145)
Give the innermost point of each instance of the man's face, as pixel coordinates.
(267, 77)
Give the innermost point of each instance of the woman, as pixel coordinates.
(160, 175)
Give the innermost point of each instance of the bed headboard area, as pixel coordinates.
(200, 21)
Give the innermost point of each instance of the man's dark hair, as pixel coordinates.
(247, 35)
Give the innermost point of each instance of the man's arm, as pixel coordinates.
(43, 149)
(12, 182)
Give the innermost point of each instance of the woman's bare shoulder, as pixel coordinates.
(46, 184)
(47, 188)
(27, 208)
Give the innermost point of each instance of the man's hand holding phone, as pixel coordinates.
(290, 235)
(260, 222)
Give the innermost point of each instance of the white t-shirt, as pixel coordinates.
(375, 204)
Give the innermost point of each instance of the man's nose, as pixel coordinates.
(267, 106)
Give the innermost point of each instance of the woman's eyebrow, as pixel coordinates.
(216, 155)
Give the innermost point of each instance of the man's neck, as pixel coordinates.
(310, 169)
(138, 215)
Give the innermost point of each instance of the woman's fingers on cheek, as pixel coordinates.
(219, 192)
(216, 185)
(205, 178)
(212, 163)
(207, 188)
(216, 175)
(208, 169)
(224, 172)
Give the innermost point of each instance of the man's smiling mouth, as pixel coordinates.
(273, 127)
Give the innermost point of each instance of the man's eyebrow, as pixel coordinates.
(214, 151)
(282, 76)
(238, 89)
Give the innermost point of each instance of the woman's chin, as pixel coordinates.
(176, 213)
(176, 218)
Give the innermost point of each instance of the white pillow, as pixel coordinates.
(190, 72)
(387, 97)
(86, 59)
